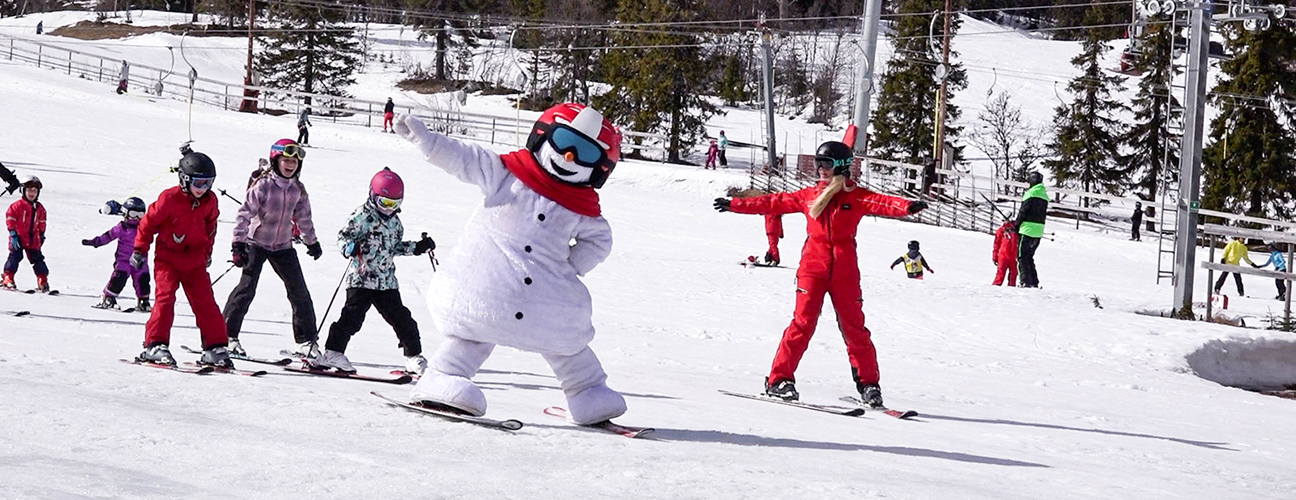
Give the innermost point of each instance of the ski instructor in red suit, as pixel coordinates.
(833, 209)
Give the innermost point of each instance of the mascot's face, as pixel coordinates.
(563, 165)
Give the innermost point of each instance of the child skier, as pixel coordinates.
(124, 234)
(370, 239)
(276, 204)
(184, 220)
(539, 229)
(1280, 265)
(25, 220)
(711, 155)
(1004, 254)
(913, 262)
(773, 225)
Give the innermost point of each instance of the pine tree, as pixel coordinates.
(308, 50)
(732, 83)
(1153, 148)
(904, 126)
(1249, 165)
(655, 85)
(1087, 144)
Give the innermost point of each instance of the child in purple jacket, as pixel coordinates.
(124, 232)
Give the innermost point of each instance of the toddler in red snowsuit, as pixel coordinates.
(773, 232)
(1005, 254)
(184, 220)
(828, 265)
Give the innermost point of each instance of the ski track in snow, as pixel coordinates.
(1023, 393)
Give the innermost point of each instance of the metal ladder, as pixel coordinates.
(1168, 222)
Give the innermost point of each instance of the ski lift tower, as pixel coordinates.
(1201, 15)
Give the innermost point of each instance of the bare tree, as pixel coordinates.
(1010, 143)
(824, 92)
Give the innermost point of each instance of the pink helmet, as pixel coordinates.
(386, 184)
(587, 122)
(289, 148)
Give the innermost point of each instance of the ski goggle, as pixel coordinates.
(134, 214)
(290, 150)
(201, 182)
(386, 203)
(565, 139)
(846, 162)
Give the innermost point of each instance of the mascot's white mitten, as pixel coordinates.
(411, 128)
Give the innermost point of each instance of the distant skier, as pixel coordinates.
(372, 237)
(1280, 265)
(913, 261)
(1135, 221)
(9, 178)
(184, 221)
(520, 259)
(303, 127)
(25, 220)
(1030, 227)
(1004, 254)
(123, 78)
(275, 205)
(389, 112)
(711, 156)
(1234, 253)
(833, 209)
(124, 234)
(723, 144)
(773, 225)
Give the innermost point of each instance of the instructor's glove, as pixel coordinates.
(424, 245)
(14, 243)
(240, 254)
(314, 250)
(722, 205)
(137, 260)
(917, 206)
(87, 243)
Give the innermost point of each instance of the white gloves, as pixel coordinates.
(410, 128)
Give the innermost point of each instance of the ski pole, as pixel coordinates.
(227, 195)
(431, 256)
(331, 299)
(218, 278)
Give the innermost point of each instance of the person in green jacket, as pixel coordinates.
(1030, 226)
(1234, 253)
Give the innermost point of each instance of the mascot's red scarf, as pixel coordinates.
(583, 200)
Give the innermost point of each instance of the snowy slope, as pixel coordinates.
(1026, 393)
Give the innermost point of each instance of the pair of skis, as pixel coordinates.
(857, 410)
(510, 424)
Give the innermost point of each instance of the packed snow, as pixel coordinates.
(1022, 393)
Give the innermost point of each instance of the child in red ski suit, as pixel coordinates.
(773, 232)
(1005, 254)
(828, 265)
(184, 220)
(25, 220)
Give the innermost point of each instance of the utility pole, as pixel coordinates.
(942, 72)
(768, 61)
(249, 104)
(863, 100)
(1190, 159)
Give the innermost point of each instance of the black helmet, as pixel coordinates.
(913, 245)
(134, 208)
(1035, 178)
(835, 155)
(195, 165)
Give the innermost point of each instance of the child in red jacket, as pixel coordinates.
(1005, 254)
(25, 221)
(184, 220)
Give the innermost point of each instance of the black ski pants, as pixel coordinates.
(388, 303)
(303, 135)
(1026, 261)
(1237, 279)
(285, 264)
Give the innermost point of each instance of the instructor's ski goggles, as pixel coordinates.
(201, 182)
(565, 139)
(386, 203)
(290, 150)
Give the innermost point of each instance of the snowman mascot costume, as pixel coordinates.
(517, 279)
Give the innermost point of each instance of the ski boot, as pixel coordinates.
(7, 282)
(158, 355)
(236, 348)
(871, 395)
(108, 302)
(333, 359)
(42, 284)
(784, 389)
(415, 364)
(308, 350)
(144, 305)
(217, 356)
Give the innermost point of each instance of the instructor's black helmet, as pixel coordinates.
(835, 155)
(913, 245)
(1034, 178)
(196, 166)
